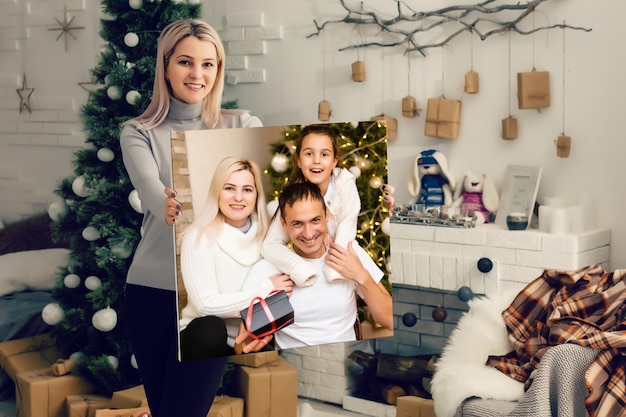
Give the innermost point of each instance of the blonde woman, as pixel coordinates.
(217, 251)
(188, 86)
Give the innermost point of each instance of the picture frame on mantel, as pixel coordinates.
(519, 192)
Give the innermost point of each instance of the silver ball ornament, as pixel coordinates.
(52, 314)
(57, 210)
(135, 4)
(104, 320)
(78, 186)
(71, 281)
(134, 201)
(105, 155)
(92, 282)
(385, 226)
(90, 233)
(113, 361)
(131, 39)
(114, 92)
(356, 171)
(280, 162)
(376, 182)
(132, 97)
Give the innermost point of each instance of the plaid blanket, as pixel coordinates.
(585, 307)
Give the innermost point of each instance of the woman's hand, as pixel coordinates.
(387, 192)
(282, 282)
(246, 344)
(172, 208)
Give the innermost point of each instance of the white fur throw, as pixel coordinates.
(33, 269)
(461, 372)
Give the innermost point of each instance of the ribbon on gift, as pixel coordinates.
(269, 314)
(62, 367)
(35, 347)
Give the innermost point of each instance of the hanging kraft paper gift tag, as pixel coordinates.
(509, 128)
(471, 82)
(533, 89)
(443, 118)
(563, 146)
(409, 106)
(324, 111)
(358, 71)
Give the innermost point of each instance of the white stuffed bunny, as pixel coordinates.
(478, 194)
(431, 182)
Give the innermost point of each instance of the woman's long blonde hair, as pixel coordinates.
(211, 220)
(169, 38)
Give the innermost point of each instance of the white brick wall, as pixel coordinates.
(323, 371)
(446, 258)
(245, 36)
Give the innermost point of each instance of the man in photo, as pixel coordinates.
(325, 312)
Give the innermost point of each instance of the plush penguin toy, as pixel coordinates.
(430, 182)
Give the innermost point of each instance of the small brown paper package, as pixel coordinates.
(533, 89)
(390, 122)
(509, 128)
(471, 82)
(443, 118)
(563, 146)
(409, 106)
(62, 366)
(40, 393)
(270, 390)
(133, 397)
(358, 71)
(225, 406)
(126, 412)
(411, 406)
(27, 354)
(254, 359)
(85, 405)
(324, 111)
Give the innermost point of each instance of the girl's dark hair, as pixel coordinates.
(317, 129)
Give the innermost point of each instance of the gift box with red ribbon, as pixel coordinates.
(266, 316)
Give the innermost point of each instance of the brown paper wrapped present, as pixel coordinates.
(471, 82)
(563, 145)
(411, 406)
(27, 354)
(324, 111)
(40, 393)
(358, 71)
(125, 412)
(254, 359)
(270, 390)
(129, 398)
(443, 118)
(225, 406)
(509, 128)
(390, 123)
(85, 405)
(533, 89)
(62, 366)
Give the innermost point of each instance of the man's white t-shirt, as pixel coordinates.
(323, 312)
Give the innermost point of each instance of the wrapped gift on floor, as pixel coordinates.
(40, 393)
(225, 406)
(411, 406)
(254, 359)
(134, 397)
(266, 316)
(125, 412)
(27, 354)
(533, 89)
(85, 405)
(269, 390)
(443, 118)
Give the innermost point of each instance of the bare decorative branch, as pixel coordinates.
(462, 17)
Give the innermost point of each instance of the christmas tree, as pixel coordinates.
(98, 210)
(363, 151)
